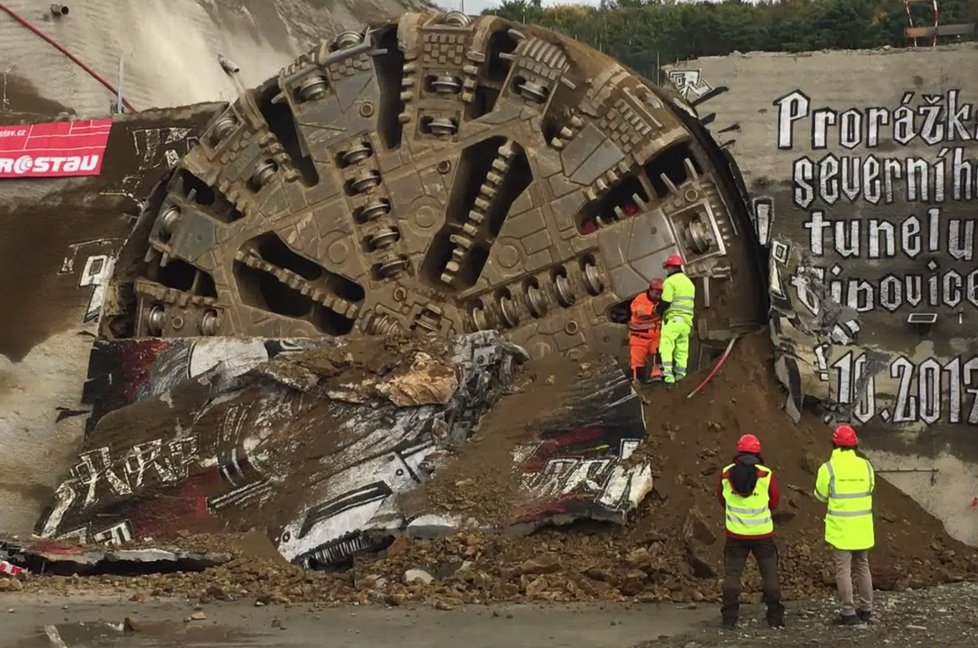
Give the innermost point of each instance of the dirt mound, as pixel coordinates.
(670, 551)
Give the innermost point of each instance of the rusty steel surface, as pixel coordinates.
(442, 174)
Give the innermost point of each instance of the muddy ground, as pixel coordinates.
(939, 617)
(163, 624)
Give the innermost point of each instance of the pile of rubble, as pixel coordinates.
(670, 549)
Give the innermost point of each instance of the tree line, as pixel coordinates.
(645, 34)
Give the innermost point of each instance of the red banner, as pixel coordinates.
(53, 150)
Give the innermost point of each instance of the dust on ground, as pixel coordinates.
(671, 551)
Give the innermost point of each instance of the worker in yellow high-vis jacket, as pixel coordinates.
(846, 482)
(676, 307)
(749, 494)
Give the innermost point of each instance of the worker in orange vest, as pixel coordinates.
(644, 330)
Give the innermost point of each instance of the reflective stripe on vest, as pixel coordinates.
(849, 515)
(748, 515)
(644, 326)
(643, 315)
(683, 293)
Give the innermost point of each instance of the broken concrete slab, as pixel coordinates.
(235, 445)
(45, 556)
(574, 465)
(314, 442)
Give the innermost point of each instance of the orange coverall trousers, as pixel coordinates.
(645, 329)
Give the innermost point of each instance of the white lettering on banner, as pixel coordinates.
(54, 149)
(28, 165)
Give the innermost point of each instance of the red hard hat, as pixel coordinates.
(845, 437)
(674, 260)
(749, 443)
(656, 284)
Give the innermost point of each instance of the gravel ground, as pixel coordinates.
(941, 616)
(938, 617)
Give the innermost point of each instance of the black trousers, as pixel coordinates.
(735, 554)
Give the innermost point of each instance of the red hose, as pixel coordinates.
(95, 75)
(716, 368)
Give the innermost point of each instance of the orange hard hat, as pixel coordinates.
(845, 437)
(749, 443)
(656, 284)
(674, 261)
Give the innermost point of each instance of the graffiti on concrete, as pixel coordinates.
(913, 260)
(576, 468)
(121, 374)
(98, 478)
(928, 391)
(762, 216)
(235, 444)
(322, 464)
(689, 83)
(162, 147)
(97, 261)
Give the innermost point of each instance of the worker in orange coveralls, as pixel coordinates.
(644, 330)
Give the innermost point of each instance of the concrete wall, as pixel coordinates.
(863, 170)
(169, 47)
(60, 239)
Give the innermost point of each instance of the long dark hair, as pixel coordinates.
(760, 459)
(743, 476)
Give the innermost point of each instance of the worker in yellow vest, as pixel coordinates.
(676, 307)
(846, 482)
(749, 493)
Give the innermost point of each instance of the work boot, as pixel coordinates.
(848, 620)
(864, 615)
(777, 622)
(641, 375)
(730, 624)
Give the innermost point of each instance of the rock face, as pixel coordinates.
(169, 49)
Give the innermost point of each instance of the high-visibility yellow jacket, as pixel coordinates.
(748, 516)
(846, 483)
(680, 292)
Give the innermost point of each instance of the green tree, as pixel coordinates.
(644, 33)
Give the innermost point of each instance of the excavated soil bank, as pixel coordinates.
(670, 551)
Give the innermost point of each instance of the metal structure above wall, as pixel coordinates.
(935, 31)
